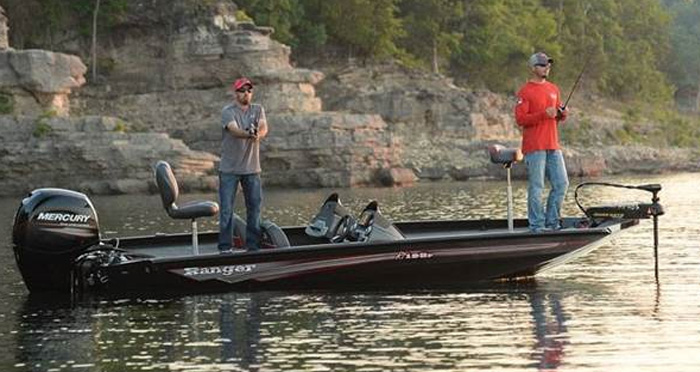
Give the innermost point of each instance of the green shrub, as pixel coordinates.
(7, 104)
(42, 129)
(121, 126)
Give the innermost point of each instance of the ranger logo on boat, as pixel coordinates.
(63, 217)
(219, 270)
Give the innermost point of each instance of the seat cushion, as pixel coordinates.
(194, 209)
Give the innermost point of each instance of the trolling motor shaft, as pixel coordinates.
(637, 211)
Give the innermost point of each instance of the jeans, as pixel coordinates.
(252, 193)
(547, 164)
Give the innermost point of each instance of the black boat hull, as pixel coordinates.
(424, 260)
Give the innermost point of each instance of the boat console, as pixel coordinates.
(335, 223)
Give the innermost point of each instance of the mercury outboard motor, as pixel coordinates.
(52, 227)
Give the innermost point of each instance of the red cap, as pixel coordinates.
(240, 83)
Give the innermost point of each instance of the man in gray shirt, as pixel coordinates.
(243, 126)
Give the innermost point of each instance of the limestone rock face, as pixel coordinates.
(327, 149)
(182, 89)
(442, 127)
(93, 155)
(417, 103)
(4, 41)
(39, 80)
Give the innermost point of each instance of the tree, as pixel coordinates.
(367, 28)
(282, 15)
(499, 36)
(93, 47)
(683, 68)
(623, 41)
(431, 26)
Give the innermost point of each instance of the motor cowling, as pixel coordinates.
(51, 228)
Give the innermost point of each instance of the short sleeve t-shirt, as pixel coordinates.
(240, 155)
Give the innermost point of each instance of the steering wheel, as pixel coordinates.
(344, 229)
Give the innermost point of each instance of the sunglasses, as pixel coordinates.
(541, 65)
(248, 90)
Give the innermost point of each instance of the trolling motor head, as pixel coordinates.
(638, 211)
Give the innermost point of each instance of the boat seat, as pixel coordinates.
(326, 222)
(505, 156)
(500, 154)
(370, 227)
(169, 191)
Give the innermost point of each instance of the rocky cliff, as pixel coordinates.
(165, 72)
(181, 88)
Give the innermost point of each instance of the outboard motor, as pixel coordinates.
(52, 227)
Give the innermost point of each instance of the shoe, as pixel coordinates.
(225, 251)
(538, 230)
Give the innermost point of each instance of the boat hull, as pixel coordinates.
(426, 260)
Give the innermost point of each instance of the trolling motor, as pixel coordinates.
(639, 211)
(506, 157)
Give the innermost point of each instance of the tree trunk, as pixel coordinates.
(436, 69)
(697, 98)
(93, 49)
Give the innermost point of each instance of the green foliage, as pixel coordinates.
(7, 104)
(242, 16)
(635, 48)
(368, 28)
(42, 127)
(683, 68)
(282, 15)
(111, 12)
(121, 126)
(430, 30)
(499, 36)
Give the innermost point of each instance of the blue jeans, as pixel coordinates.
(547, 164)
(252, 193)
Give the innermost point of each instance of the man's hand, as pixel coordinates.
(561, 111)
(551, 112)
(252, 133)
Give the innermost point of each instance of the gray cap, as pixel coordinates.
(539, 59)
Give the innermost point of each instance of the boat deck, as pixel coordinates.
(180, 245)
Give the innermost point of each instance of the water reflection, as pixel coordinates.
(476, 328)
(240, 329)
(601, 312)
(550, 329)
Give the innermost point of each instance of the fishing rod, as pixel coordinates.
(576, 83)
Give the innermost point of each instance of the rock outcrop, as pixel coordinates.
(182, 88)
(35, 81)
(4, 41)
(94, 155)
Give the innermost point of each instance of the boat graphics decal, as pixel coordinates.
(63, 217)
(280, 270)
(412, 255)
(216, 271)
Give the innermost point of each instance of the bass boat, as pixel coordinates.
(58, 247)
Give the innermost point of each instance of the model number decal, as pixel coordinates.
(412, 255)
(219, 270)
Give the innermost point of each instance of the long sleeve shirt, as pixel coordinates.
(539, 130)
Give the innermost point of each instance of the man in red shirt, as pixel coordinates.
(538, 112)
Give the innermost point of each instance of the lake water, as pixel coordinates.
(603, 312)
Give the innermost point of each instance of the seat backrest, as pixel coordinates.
(167, 185)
